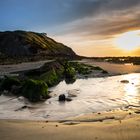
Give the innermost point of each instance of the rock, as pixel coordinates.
(130, 113)
(15, 89)
(21, 108)
(8, 82)
(124, 81)
(5, 92)
(68, 99)
(62, 97)
(35, 90)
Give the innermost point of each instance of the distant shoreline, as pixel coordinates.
(113, 68)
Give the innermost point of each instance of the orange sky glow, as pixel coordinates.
(126, 45)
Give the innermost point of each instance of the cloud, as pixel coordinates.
(118, 18)
(87, 8)
(94, 24)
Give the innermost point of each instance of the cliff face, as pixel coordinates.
(22, 43)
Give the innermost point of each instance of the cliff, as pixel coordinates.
(31, 44)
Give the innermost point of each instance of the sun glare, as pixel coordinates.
(129, 40)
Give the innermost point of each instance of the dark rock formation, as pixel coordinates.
(33, 84)
(68, 99)
(62, 97)
(8, 83)
(35, 90)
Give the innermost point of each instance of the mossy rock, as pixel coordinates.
(70, 75)
(82, 68)
(8, 82)
(35, 90)
(52, 77)
(51, 73)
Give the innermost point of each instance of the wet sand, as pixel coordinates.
(125, 126)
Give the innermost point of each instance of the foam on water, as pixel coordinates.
(93, 95)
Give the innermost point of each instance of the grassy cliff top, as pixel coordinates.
(25, 43)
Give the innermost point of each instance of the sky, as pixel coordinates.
(89, 27)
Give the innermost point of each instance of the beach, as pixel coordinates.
(109, 115)
(123, 128)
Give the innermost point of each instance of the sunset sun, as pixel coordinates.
(129, 40)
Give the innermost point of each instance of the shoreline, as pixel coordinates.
(115, 70)
(125, 126)
(99, 116)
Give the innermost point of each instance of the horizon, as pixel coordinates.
(92, 28)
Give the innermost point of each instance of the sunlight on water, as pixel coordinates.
(132, 89)
(92, 95)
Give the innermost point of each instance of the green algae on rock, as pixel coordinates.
(35, 90)
(33, 84)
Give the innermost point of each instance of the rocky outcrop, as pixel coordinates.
(33, 84)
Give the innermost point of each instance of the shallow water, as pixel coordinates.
(114, 68)
(93, 95)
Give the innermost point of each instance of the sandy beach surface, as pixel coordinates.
(118, 125)
(121, 124)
